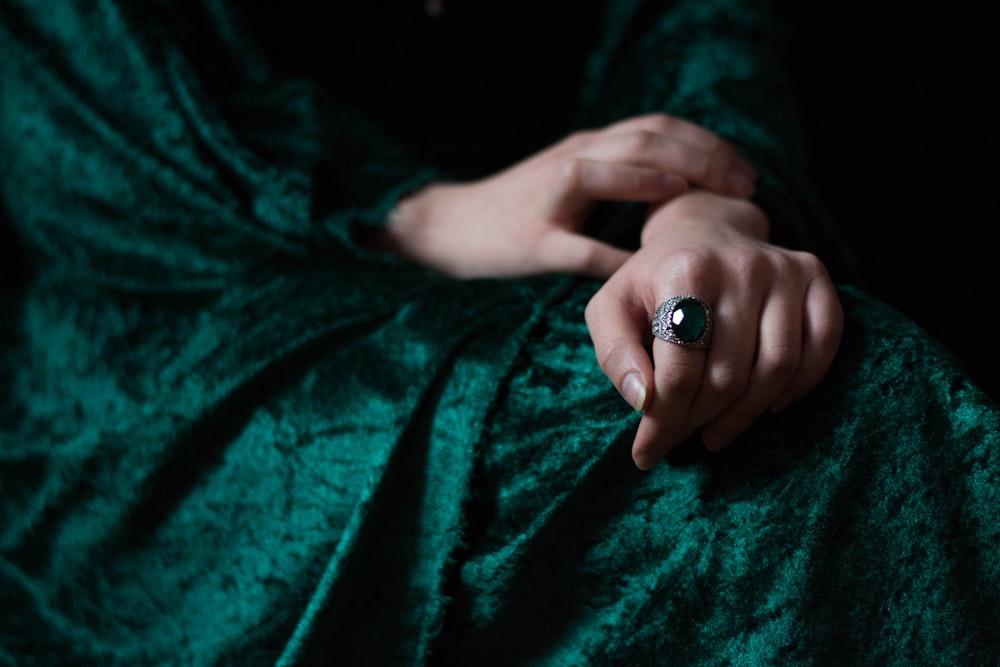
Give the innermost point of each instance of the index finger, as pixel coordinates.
(686, 132)
(619, 329)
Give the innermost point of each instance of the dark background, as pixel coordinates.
(896, 104)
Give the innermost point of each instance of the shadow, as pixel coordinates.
(897, 125)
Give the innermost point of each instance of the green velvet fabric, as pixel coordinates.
(231, 435)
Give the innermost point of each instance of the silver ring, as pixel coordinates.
(684, 320)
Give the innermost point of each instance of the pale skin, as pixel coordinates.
(777, 317)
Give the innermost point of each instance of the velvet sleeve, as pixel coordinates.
(181, 159)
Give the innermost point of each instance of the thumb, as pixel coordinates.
(618, 337)
(564, 251)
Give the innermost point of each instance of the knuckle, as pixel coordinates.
(757, 269)
(780, 363)
(639, 142)
(570, 174)
(710, 168)
(612, 357)
(727, 381)
(811, 263)
(661, 122)
(747, 263)
(785, 263)
(773, 266)
(702, 168)
(577, 140)
(698, 164)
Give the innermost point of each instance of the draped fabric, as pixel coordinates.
(230, 433)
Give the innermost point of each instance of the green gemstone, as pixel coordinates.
(688, 320)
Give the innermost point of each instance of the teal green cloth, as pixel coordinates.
(231, 435)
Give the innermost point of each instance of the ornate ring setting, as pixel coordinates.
(684, 320)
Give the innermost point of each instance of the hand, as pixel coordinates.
(528, 218)
(777, 323)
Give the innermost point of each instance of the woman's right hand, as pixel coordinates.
(528, 219)
(777, 324)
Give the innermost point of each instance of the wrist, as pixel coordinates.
(700, 209)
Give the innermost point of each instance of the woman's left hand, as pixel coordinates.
(529, 218)
(777, 323)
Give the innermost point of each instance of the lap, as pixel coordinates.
(462, 464)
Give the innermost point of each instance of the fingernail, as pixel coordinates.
(634, 391)
(643, 464)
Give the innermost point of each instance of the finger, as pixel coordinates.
(778, 355)
(730, 358)
(691, 134)
(564, 251)
(584, 181)
(714, 170)
(676, 378)
(619, 331)
(823, 326)
(683, 130)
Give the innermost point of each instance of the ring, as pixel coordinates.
(684, 320)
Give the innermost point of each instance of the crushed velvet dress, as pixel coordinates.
(231, 435)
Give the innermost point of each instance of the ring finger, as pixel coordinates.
(677, 374)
